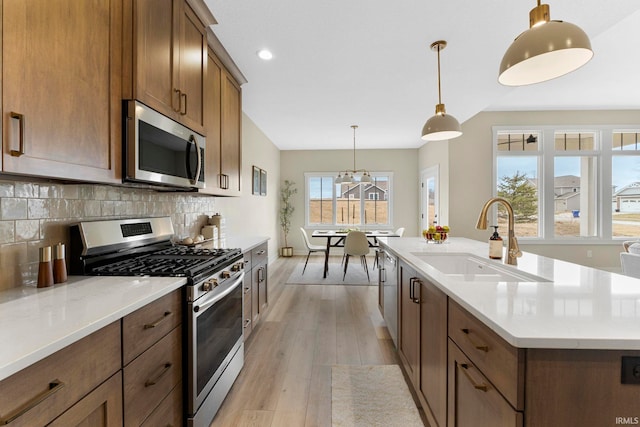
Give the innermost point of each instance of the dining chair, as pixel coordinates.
(400, 231)
(356, 244)
(311, 247)
(630, 264)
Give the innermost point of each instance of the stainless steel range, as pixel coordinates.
(214, 348)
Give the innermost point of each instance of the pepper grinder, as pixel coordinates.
(59, 264)
(45, 268)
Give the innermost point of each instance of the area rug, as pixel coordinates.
(313, 274)
(371, 396)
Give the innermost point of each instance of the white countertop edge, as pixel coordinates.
(23, 306)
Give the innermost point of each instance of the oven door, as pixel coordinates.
(214, 336)
(161, 151)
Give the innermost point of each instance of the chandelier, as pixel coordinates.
(349, 176)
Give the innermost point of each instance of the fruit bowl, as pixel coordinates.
(436, 234)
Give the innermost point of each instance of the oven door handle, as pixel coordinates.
(201, 307)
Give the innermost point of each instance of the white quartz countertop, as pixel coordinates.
(35, 323)
(577, 307)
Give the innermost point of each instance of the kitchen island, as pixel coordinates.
(544, 343)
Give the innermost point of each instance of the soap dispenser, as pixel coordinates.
(495, 244)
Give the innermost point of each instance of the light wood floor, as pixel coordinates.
(286, 379)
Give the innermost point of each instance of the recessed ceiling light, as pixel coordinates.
(265, 54)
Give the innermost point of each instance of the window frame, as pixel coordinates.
(546, 154)
(334, 225)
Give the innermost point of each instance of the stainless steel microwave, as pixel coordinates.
(160, 151)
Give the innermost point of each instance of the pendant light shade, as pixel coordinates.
(442, 125)
(548, 49)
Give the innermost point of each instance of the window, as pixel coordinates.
(625, 180)
(348, 205)
(557, 180)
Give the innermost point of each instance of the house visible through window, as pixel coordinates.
(345, 205)
(557, 180)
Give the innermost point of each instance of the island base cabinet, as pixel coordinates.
(579, 388)
(473, 400)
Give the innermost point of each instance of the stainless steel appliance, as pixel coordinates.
(388, 281)
(159, 151)
(214, 348)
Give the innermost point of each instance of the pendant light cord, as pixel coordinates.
(439, 91)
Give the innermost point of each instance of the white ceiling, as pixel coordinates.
(368, 62)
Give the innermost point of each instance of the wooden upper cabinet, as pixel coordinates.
(61, 89)
(169, 60)
(223, 110)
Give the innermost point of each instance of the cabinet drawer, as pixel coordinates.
(147, 325)
(100, 408)
(151, 376)
(500, 362)
(38, 394)
(259, 255)
(169, 412)
(473, 400)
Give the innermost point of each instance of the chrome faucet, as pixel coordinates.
(513, 250)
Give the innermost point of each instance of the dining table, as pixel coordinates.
(335, 239)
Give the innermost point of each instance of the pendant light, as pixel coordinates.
(548, 49)
(442, 125)
(350, 174)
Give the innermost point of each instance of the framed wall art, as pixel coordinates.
(263, 182)
(256, 181)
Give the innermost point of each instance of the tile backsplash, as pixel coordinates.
(39, 214)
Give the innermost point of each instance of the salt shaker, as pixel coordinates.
(59, 264)
(45, 268)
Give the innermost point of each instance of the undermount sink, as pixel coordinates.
(472, 268)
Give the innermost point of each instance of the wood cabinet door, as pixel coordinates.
(62, 77)
(212, 122)
(231, 146)
(100, 408)
(192, 56)
(472, 399)
(433, 351)
(263, 292)
(156, 23)
(408, 336)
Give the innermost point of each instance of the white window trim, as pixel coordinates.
(546, 155)
(333, 175)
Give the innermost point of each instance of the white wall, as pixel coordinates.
(403, 164)
(252, 215)
(471, 163)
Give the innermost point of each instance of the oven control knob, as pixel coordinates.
(226, 274)
(236, 267)
(209, 285)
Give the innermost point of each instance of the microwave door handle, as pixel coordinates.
(194, 181)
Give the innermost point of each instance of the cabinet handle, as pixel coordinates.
(482, 347)
(157, 322)
(412, 291)
(179, 92)
(54, 387)
(247, 322)
(261, 252)
(183, 96)
(153, 381)
(20, 117)
(261, 274)
(481, 386)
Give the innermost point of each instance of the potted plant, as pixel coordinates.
(286, 211)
